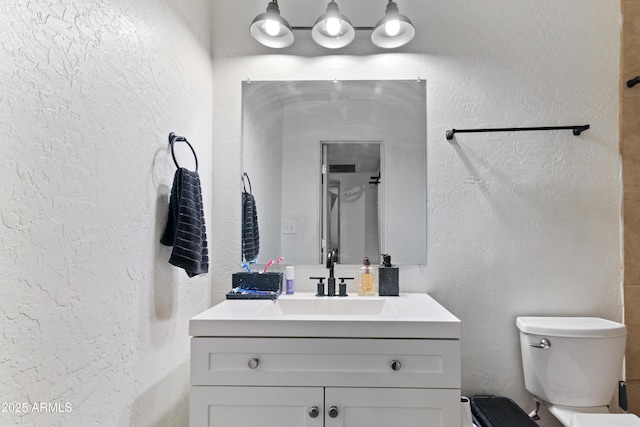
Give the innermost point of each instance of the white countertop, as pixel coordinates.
(410, 315)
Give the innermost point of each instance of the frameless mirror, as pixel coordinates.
(337, 165)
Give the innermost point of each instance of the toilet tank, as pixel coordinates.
(571, 361)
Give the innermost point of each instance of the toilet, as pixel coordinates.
(572, 364)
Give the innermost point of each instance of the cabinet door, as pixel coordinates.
(384, 407)
(255, 406)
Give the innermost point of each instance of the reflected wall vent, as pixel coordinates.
(342, 169)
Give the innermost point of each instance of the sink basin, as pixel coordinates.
(333, 306)
(305, 315)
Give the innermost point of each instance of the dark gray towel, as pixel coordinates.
(185, 229)
(250, 234)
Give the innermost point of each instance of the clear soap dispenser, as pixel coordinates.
(367, 285)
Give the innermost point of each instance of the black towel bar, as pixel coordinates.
(634, 81)
(577, 130)
(173, 138)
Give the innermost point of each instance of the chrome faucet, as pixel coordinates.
(331, 281)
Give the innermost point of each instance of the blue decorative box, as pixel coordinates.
(255, 286)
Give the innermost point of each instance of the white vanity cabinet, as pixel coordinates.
(346, 382)
(256, 406)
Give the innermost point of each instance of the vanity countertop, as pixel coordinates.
(410, 315)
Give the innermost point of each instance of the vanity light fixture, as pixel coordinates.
(332, 29)
(271, 29)
(393, 30)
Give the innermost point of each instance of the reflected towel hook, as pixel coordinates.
(634, 81)
(173, 138)
(244, 174)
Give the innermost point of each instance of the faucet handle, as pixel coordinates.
(342, 286)
(319, 286)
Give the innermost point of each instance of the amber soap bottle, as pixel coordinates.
(367, 286)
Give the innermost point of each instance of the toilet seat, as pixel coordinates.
(604, 420)
(565, 414)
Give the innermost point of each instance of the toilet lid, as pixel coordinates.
(577, 327)
(605, 420)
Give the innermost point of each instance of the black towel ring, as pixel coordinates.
(173, 138)
(248, 180)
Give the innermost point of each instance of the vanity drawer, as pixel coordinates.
(325, 362)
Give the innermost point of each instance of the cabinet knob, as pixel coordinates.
(253, 363)
(314, 412)
(396, 365)
(333, 412)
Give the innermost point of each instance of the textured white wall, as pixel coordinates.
(518, 223)
(91, 313)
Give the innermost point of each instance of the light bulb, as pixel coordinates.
(272, 27)
(392, 28)
(333, 26)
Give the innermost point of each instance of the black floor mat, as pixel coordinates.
(495, 411)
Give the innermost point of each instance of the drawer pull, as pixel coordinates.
(314, 412)
(253, 363)
(396, 365)
(333, 412)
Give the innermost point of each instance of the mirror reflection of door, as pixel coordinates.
(351, 184)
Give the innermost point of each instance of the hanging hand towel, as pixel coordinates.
(250, 234)
(185, 229)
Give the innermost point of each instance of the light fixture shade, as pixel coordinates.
(404, 29)
(271, 29)
(332, 29)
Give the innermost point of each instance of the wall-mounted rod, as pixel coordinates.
(577, 130)
(302, 28)
(634, 81)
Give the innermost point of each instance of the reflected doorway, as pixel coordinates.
(351, 187)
